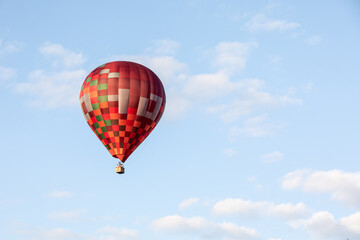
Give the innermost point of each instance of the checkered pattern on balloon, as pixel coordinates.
(122, 102)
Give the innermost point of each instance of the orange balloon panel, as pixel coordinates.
(122, 102)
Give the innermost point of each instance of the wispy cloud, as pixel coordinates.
(164, 47)
(6, 74)
(250, 96)
(255, 127)
(60, 56)
(176, 106)
(58, 87)
(343, 186)
(314, 40)
(57, 234)
(199, 226)
(104, 233)
(188, 203)
(229, 152)
(114, 233)
(246, 208)
(68, 215)
(231, 57)
(10, 47)
(207, 86)
(60, 194)
(272, 157)
(260, 22)
(52, 89)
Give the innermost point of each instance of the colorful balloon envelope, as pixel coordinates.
(122, 102)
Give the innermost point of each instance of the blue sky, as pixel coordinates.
(259, 139)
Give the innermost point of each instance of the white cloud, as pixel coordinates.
(252, 178)
(232, 56)
(58, 234)
(255, 127)
(323, 225)
(249, 97)
(288, 210)
(352, 223)
(178, 224)
(60, 194)
(7, 74)
(10, 47)
(274, 61)
(176, 106)
(51, 90)
(167, 68)
(232, 231)
(68, 215)
(114, 233)
(288, 100)
(240, 207)
(343, 186)
(272, 157)
(61, 57)
(261, 23)
(188, 203)
(229, 152)
(314, 40)
(105, 233)
(165, 47)
(207, 86)
(247, 208)
(200, 226)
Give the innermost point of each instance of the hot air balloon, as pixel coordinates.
(122, 103)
